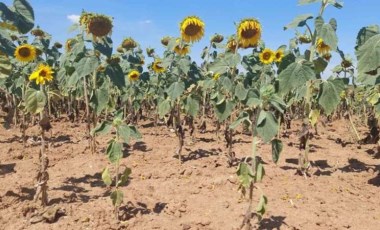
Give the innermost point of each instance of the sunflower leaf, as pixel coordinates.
(299, 21)
(369, 56)
(35, 101)
(329, 97)
(25, 16)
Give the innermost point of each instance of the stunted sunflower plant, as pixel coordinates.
(301, 77)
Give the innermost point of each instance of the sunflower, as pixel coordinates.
(232, 44)
(180, 48)
(165, 41)
(249, 32)
(70, 44)
(37, 32)
(57, 45)
(157, 66)
(134, 75)
(42, 74)
(278, 55)
(327, 56)
(216, 76)
(83, 20)
(8, 26)
(267, 56)
(192, 29)
(217, 38)
(98, 25)
(25, 53)
(129, 43)
(322, 48)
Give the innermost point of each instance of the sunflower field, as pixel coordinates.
(102, 136)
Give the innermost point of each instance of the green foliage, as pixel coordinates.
(106, 177)
(277, 147)
(114, 151)
(299, 21)
(329, 97)
(267, 126)
(245, 174)
(295, 76)
(117, 198)
(35, 101)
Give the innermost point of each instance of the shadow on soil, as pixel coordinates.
(198, 154)
(24, 194)
(7, 168)
(130, 210)
(274, 222)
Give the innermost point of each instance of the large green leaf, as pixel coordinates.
(25, 16)
(99, 101)
(294, 76)
(369, 56)
(104, 46)
(223, 64)
(328, 35)
(366, 33)
(330, 94)
(114, 151)
(243, 116)
(267, 126)
(5, 66)
(164, 108)
(224, 109)
(115, 73)
(127, 132)
(124, 177)
(87, 66)
(299, 21)
(35, 101)
(175, 90)
(191, 106)
(102, 128)
(241, 92)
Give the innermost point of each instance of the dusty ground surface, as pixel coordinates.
(343, 191)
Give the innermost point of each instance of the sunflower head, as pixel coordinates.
(14, 37)
(84, 17)
(217, 38)
(42, 74)
(129, 43)
(134, 75)
(346, 63)
(192, 29)
(327, 56)
(304, 39)
(37, 32)
(70, 44)
(267, 56)
(165, 40)
(181, 48)
(114, 60)
(25, 53)
(249, 32)
(216, 76)
(98, 25)
(278, 55)
(58, 45)
(322, 48)
(157, 66)
(150, 52)
(232, 44)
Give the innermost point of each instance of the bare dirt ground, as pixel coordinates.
(343, 191)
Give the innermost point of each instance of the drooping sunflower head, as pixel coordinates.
(232, 44)
(181, 48)
(267, 56)
(129, 43)
(134, 75)
(57, 45)
(113, 60)
(304, 39)
(322, 48)
(120, 49)
(37, 32)
(192, 29)
(278, 55)
(217, 38)
(327, 56)
(150, 52)
(249, 32)
(70, 44)
(157, 66)
(98, 25)
(165, 40)
(42, 74)
(25, 53)
(346, 63)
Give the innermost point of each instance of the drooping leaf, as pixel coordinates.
(299, 21)
(164, 108)
(224, 109)
(276, 150)
(87, 66)
(25, 15)
(267, 126)
(106, 177)
(245, 174)
(294, 76)
(35, 101)
(102, 128)
(330, 94)
(124, 177)
(241, 92)
(175, 90)
(369, 56)
(114, 151)
(117, 198)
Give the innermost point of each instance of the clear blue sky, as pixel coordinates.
(147, 21)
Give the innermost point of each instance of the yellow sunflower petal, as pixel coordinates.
(267, 56)
(25, 53)
(249, 32)
(192, 29)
